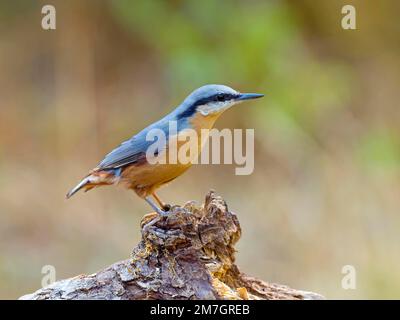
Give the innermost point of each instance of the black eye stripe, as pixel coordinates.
(219, 97)
(223, 97)
(213, 98)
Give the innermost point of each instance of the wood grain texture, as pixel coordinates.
(188, 255)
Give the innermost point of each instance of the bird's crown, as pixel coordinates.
(210, 93)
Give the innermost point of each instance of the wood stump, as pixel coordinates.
(189, 254)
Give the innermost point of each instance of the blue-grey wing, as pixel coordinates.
(129, 152)
(133, 150)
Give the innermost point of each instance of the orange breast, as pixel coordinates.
(146, 178)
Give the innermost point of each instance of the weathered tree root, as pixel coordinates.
(189, 254)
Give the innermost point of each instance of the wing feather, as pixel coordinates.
(132, 150)
(129, 152)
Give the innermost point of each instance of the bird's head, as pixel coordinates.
(213, 99)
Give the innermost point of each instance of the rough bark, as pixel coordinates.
(189, 254)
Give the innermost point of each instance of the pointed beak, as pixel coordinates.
(248, 96)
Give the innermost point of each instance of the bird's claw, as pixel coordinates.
(160, 215)
(146, 227)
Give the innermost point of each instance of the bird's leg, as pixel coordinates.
(162, 204)
(155, 208)
(156, 219)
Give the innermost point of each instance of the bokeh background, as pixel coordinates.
(326, 187)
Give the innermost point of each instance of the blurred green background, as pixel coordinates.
(325, 190)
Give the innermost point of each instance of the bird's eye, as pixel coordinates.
(221, 97)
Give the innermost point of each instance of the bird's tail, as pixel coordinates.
(86, 183)
(95, 179)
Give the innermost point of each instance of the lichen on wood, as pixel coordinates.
(188, 254)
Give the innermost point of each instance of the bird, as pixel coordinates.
(128, 165)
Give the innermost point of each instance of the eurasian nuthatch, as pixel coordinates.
(128, 165)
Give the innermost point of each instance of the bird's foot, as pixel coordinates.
(146, 227)
(159, 214)
(162, 212)
(165, 211)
